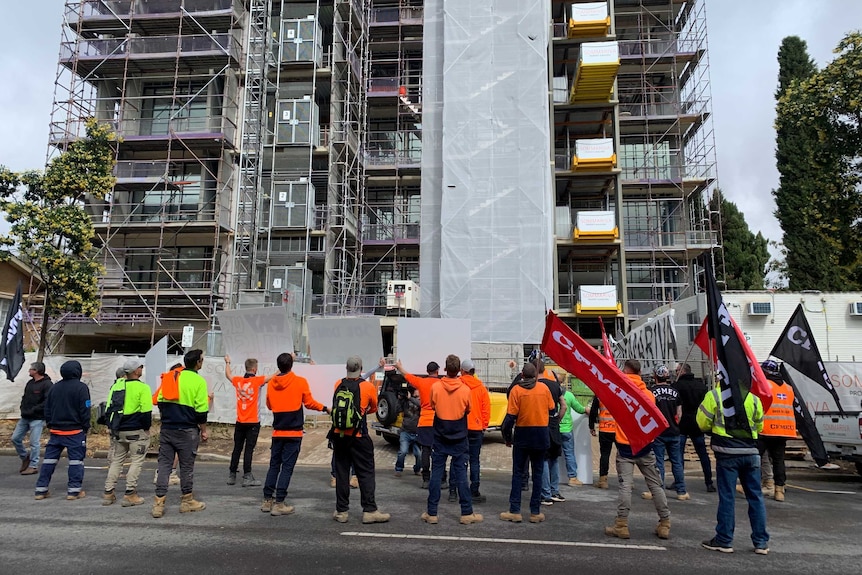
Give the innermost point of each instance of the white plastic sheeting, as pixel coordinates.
(496, 210)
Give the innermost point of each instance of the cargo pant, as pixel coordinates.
(132, 445)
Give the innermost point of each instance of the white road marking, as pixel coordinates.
(499, 540)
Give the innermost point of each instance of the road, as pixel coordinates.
(816, 530)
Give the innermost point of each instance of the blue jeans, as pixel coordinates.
(458, 474)
(408, 442)
(522, 456)
(76, 450)
(34, 426)
(747, 469)
(569, 453)
(670, 443)
(550, 477)
(700, 448)
(282, 459)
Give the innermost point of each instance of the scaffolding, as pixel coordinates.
(165, 77)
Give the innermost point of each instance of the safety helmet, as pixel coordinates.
(770, 367)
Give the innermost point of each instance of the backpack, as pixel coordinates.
(114, 411)
(345, 407)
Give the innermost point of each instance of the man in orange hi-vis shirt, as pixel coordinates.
(425, 429)
(286, 396)
(247, 427)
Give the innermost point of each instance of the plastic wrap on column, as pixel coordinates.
(496, 245)
(583, 447)
(432, 159)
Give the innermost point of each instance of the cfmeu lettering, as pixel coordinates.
(646, 422)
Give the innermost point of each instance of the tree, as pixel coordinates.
(51, 231)
(817, 153)
(744, 255)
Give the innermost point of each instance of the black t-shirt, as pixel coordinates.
(667, 399)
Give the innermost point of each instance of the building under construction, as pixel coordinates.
(272, 155)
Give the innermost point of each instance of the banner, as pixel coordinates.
(653, 342)
(797, 348)
(12, 342)
(607, 352)
(805, 423)
(634, 410)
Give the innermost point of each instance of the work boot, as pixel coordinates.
(619, 529)
(73, 496)
(266, 506)
(248, 480)
(280, 508)
(131, 499)
(663, 529)
(42, 495)
(603, 482)
(646, 495)
(189, 504)
(174, 478)
(340, 516)
(683, 496)
(332, 482)
(453, 496)
(509, 516)
(375, 517)
(779, 493)
(740, 490)
(768, 487)
(470, 519)
(537, 517)
(108, 497)
(25, 463)
(159, 506)
(575, 482)
(429, 519)
(231, 478)
(354, 482)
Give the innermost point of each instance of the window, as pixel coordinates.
(179, 109)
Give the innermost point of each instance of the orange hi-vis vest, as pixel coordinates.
(606, 421)
(780, 420)
(169, 385)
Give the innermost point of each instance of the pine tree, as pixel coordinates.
(744, 254)
(815, 199)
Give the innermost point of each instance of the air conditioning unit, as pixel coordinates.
(856, 308)
(760, 308)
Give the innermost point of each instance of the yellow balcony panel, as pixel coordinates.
(595, 312)
(598, 300)
(594, 155)
(589, 19)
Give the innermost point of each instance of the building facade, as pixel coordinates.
(272, 154)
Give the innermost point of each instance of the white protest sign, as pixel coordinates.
(421, 340)
(260, 333)
(333, 340)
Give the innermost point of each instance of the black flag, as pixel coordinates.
(797, 348)
(805, 423)
(734, 373)
(12, 343)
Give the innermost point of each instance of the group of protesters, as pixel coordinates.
(445, 416)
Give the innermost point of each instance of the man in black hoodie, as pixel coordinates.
(67, 413)
(32, 418)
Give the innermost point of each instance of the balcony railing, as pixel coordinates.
(388, 232)
(396, 15)
(140, 212)
(152, 46)
(111, 8)
(657, 47)
(682, 240)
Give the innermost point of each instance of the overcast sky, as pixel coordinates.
(744, 36)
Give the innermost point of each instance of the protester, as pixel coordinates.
(691, 393)
(247, 427)
(286, 396)
(451, 401)
(667, 400)
(425, 429)
(599, 414)
(525, 429)
(183, 405)
(32, 418)
(408, 442)
(133, 434)
(353, 446)
(645, 462)
(168, 376)
(568, 436)
(736, 456)
(551, 468)
(477, 422)
(779, 425)
(67, 414)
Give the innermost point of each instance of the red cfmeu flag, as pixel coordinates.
(606, 346)
(759, 385)
(633, 410)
